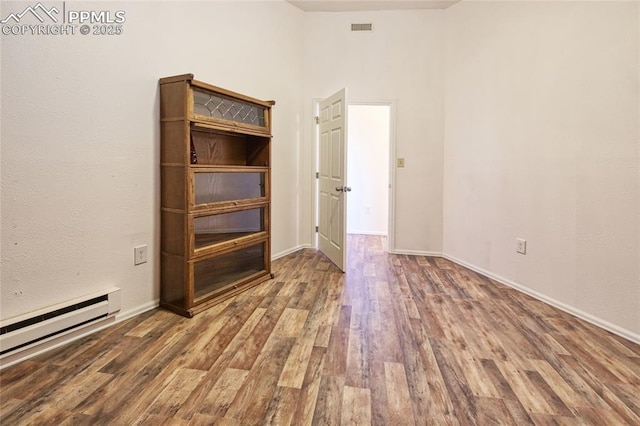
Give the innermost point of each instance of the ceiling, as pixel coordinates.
(359, 5)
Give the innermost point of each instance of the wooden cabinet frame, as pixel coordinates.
(227, 144)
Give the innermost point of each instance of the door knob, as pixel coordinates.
(347, 189)
(340, 188)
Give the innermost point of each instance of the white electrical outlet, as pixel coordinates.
(139, 255)
(521, 246)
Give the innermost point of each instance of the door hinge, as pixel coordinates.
(317, 175)
(317, 119)
(316, 229)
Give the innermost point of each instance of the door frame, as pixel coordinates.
(391, 103)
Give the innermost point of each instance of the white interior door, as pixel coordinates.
(332, 202)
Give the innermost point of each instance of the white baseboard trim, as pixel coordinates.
(137, 311)
(384, 234)
(289, 251)
(41, 347)
(613, 328)
(417, 252)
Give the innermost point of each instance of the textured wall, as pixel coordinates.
(541, 143)
(401, 60)
(539, 108)
(80, 139)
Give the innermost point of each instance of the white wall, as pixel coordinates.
(541, 139)
(80, 139)
(542, 143)
(400, 60)
(368, 169)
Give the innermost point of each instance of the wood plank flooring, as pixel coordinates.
(397, 340)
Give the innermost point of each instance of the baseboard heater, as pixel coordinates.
(44, 324)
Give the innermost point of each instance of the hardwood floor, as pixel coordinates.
(397, 340)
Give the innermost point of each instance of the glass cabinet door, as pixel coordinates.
(211, 275)
(220, 187)
(216, 105)
(221, 228)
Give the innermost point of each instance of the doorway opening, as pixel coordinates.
(370, 169)
(368, 153)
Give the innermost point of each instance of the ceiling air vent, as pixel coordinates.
(361, 27)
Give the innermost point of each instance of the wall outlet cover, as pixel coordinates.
(139, 255)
